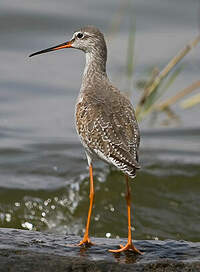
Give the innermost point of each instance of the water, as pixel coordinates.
(43, 170)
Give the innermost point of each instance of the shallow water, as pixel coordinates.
(43, 170)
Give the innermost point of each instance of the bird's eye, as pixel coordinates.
(80, 35)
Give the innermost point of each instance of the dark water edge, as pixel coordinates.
(36, 251)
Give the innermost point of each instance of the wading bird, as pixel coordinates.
(105, 118)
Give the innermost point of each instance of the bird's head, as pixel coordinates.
(88, 39)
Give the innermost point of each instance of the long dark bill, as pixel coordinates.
(57, 47)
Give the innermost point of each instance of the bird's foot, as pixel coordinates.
(128, 246)
(86, 242)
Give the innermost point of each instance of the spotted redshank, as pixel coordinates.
(105, 119)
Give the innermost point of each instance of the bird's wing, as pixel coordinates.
(109, 128)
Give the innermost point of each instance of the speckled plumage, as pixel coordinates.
(105, 118)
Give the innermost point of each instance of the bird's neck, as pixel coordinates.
(95, 68)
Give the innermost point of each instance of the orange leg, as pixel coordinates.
(129, 245)
(86, 240)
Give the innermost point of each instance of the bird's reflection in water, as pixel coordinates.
(127, 257)
(83, 250)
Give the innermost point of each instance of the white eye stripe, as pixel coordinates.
(87, 34)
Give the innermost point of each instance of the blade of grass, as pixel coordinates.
(149, 105)
(165, 71)
(145, 94)
(130, 53)
(171, 115)
(169, 81)
(173, 62)
(190, 102)
(178, 96)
